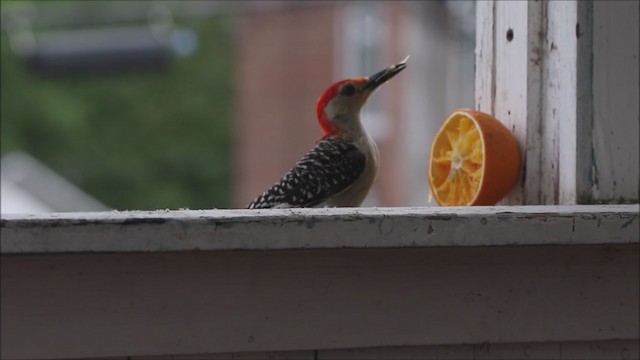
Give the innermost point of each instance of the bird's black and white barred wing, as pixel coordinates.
(327, 169)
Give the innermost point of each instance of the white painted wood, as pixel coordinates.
(485, 65)
(568, 89)
(213, 230)
(567, 100)
(511, 75)
(616, 106)
(557, 100)
(144, 304)
(537, 76)
(584, 107)
(508, 81)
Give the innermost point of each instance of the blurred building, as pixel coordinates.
(287, 55)
(29, 187)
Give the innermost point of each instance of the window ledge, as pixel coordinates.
(328, 228)
(90, 283)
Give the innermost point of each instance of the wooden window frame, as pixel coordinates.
(562, 75)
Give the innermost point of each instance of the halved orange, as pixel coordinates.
(475, 160)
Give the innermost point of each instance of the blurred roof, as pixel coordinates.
(28, 186)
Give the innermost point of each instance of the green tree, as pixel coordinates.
(133, 140)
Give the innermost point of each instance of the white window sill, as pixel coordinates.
(129, 284)
(214, 230)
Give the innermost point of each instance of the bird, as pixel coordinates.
(342, 166)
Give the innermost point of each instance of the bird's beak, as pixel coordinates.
(383, 76)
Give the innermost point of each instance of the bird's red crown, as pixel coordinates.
(323, 100)
(327, 127)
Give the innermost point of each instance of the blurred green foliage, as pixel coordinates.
(132, 140)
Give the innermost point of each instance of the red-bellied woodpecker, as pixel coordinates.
(341, 168)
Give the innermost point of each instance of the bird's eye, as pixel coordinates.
(348, 89)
